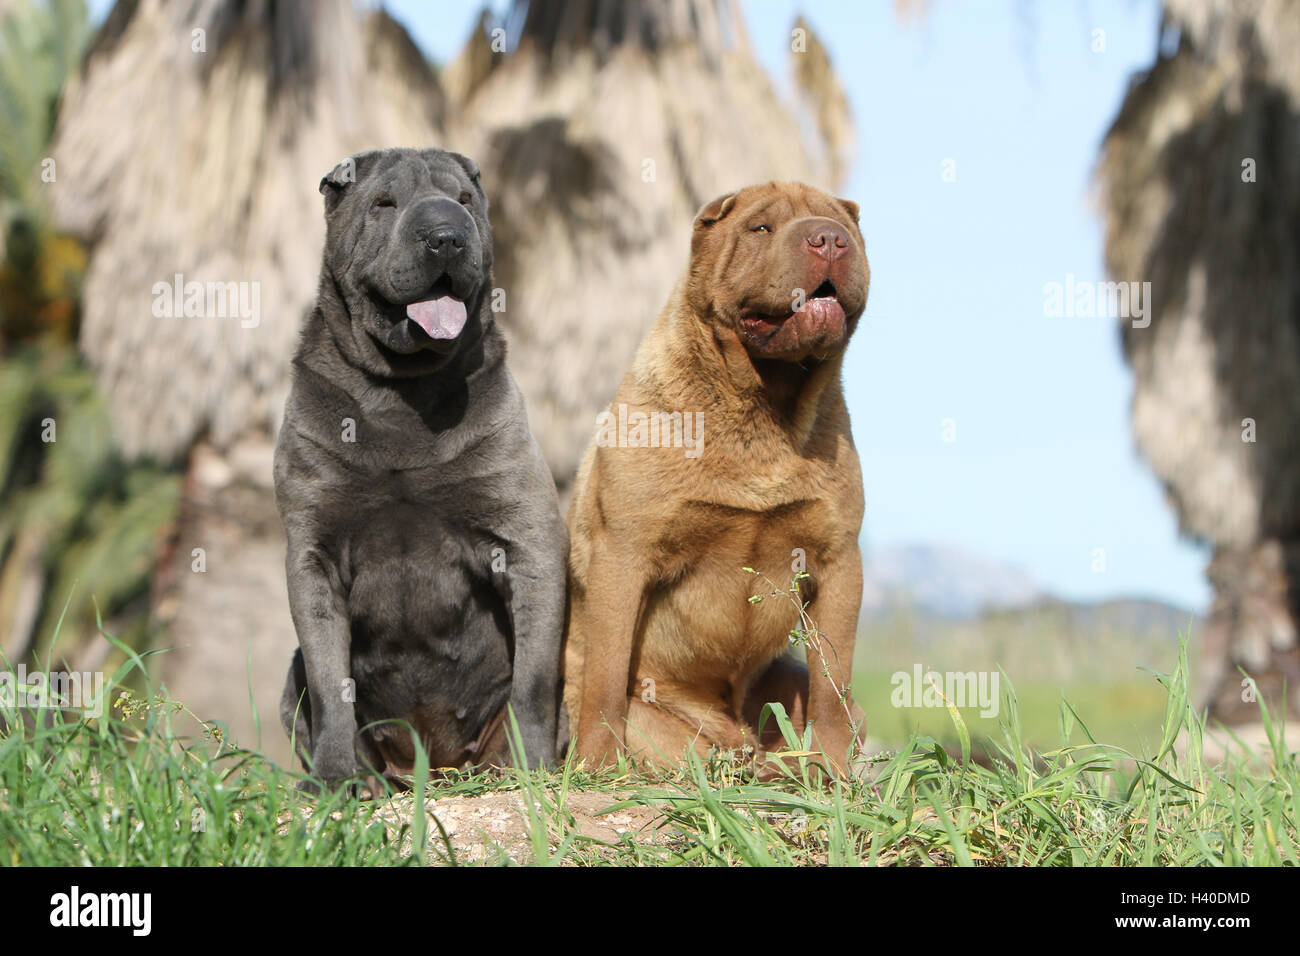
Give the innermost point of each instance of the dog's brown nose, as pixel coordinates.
(828, 239)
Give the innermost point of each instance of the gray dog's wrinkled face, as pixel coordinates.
(409, 243)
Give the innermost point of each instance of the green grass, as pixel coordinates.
(1103, 673)
(1128, 713)
(125, 789)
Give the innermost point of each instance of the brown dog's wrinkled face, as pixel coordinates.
(782, 264)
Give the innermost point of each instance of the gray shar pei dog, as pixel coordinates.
(426, 553)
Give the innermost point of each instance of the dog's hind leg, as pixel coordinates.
(659, 736)
(295, 707)
(784, 682)
(663, 727)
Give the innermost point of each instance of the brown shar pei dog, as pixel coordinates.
(665, 649)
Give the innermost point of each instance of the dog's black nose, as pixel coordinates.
(445, 241)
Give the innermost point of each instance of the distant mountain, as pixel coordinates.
(944, 584)
(1136, 617)
(942, 581)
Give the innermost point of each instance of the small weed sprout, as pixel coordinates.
(132, 705)
(808, 635)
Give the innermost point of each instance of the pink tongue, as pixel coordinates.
(441, 318)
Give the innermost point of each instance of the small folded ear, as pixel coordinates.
(851, 206)
(336, 180)
(715, 210)
(467, 164)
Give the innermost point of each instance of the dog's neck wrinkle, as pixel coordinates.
(449, 413)
(794, 391)
(330, 290)
(357, 354)
(438, 397)
(789, 393)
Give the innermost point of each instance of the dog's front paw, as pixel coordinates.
(351, 785)
(332, 773)
(539, 754)
(598, 756)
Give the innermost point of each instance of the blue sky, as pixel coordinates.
(1043, 470)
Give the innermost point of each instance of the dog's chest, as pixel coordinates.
(712, 614)
(412, 569)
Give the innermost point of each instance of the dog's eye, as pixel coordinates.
(761, 227)
(466, 198)
(385, 202)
